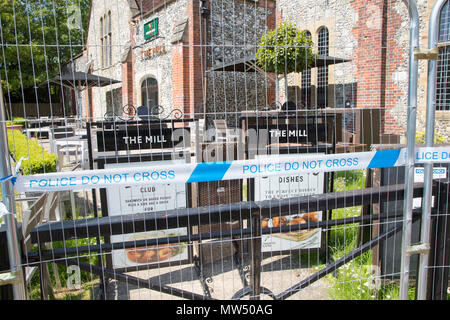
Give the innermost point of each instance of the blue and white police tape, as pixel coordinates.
(273, 165)
(13, 177)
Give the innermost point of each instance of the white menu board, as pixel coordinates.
(124, 200)
(419, 174)
(283, 187)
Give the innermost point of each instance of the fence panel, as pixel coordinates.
(218, 149)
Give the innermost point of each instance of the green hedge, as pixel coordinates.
(18, 120)
(39, 160)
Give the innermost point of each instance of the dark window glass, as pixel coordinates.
(149, 90)
(322, 72)
(444, 24)
(443, 80)
(306, 84)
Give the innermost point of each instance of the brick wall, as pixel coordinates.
(187, 75)
(180, 77)
(376, 57)
(195, 59)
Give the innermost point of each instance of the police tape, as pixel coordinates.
(273, 165)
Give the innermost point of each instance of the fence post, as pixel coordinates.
(9, 216)
(255, 279)
(6, 291)
(429, 141)
(410, 146)
(439, 257)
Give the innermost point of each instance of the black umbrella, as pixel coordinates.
(75, 80)
(80, 79)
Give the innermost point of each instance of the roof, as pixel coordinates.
(147, 7)
(180, 30)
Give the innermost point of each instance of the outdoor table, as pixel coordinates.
(76, 141)
(36, 130)
(347, 147)
(81, 133)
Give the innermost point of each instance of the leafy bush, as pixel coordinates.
(438, 138)
(284, 50)
(17, 121)
(39, 160)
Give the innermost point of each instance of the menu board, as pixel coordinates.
(124, 200)
(283, 187)
(419, 174)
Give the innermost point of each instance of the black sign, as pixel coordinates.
(294, 133)
(141, 138)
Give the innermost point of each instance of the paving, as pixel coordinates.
(279, 273)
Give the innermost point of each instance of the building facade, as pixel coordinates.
(375, 36)
(162, 51)
(166, 53)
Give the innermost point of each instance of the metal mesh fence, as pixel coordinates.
(157, 85)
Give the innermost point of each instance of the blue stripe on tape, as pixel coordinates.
(6, 178)
(384, 159)
(213, 171)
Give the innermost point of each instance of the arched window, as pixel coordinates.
(102, 42)
(443, 64)
(149, 94)
(306, 83)
(322, 72)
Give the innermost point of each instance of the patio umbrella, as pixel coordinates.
(80, 79)
(76, 80)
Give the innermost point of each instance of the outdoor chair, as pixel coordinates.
(44, 209)
(223, 133)
(289, 106)
(144, 113)
(65, 140)
(201, 131)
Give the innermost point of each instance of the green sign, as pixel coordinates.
(151, 29)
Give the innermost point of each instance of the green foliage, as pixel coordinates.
(284, 50)
(17, 121)
(356, 279)
(92, 259)
(438, 138)
(38, 40)
(39, 160)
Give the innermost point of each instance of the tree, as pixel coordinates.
(37, 37)
(284, 50)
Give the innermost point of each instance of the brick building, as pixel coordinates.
(162, 51)
(165, 51)
(374, 35)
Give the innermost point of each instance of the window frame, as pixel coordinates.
(323, 46)
(105, 39)
(306, 83)
(443, 62)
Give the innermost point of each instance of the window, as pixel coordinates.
(322, 72)
(114, 101)
(105, 40)
(306, 84)
(443, 63)
(149, 94)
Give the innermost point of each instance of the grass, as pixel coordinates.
(88, 280)
(356, 280)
